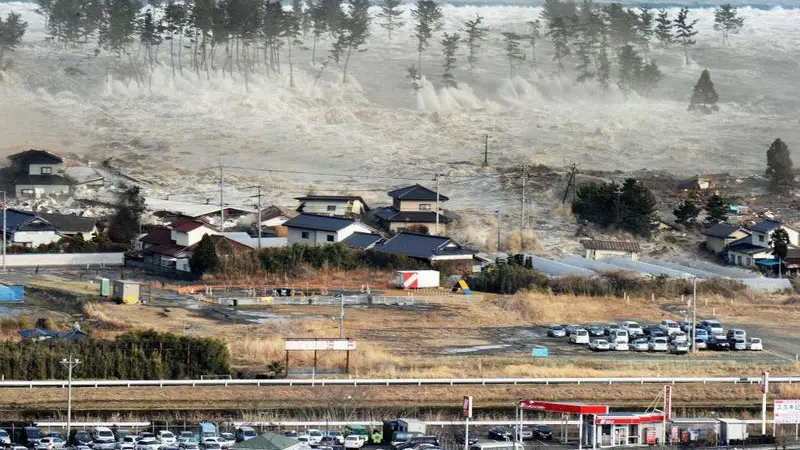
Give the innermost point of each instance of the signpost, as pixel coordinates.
(319, 345)
(466, 411)
(788, 412)
(764, 391)
(667, 412)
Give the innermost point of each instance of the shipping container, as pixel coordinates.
(126, 292)
(417, 279)
(105, 287)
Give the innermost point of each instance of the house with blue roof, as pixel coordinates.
(424, 247)
(315, 230)
(755, 249)
(414, 208)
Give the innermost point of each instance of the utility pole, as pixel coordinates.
(498, 229)
(436, 178)
(221, 207)
(570, 183)
(764, 392)
(522, 204)
(341, 317)
(694, 315)
(258, 225)
(485, 150)
(70, 364)
(618, 191)
(5, 230)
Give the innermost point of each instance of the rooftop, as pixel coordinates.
(743, 245)
(766, 225)
(390, 214)
(721, 230)
(318, 222)
(416, 192)
(187, 225)
(36, 156)
(417, 245)
(362, 240)
(188, 209)
(68, 222)
(43, 180)
(611, 245)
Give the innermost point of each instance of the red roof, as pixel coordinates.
(158, 236)
(187, 225)
(629, 419)
(564, 407)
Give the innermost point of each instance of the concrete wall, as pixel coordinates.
(608, 254)
(65, 259)
(319, 237)
(35, 238)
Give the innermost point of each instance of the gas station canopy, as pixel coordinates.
(564, 407)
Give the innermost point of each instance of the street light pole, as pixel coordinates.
(694, 315)
(70, 363)
(5, 230)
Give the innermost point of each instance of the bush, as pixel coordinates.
(506, 278)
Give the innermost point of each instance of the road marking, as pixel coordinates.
(542, 443)
(778, 355)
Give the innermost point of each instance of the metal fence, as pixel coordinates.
(338, 300)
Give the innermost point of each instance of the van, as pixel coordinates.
(28, 436)
(245, 433)
(618, 336)
(735, 333)
(103, 433)
(580, 336)
(669, 327)
(505, 445)
(714, 327)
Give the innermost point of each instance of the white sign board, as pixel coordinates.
(787, 411)
(319, 344)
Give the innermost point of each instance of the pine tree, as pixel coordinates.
(412, 73)
(686, 212)
(149, 35)
(779, 163)
(354, 31)
(174, 23)
(476, 34)
(645, 30)
(428, 16)
(716, 210)
(116, 32)
(780, 243)
(125, 223)
(12, 29)
(704, 97)
(727, 21)
(685, 31)
(513, 51)
(533, 36)
(559, 34)
(630, 64)
(292, 31)
(449, 48)
(204, 258)
(66, 21)
(390, 16)
(603, 63)
(663, 28)
(648, 78)
(590, 28)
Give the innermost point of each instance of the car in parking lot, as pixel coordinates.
(186, 434)
(596, 330)
(228, 440)
(639, 345)
(5, 438)
(669, 327)
(619, 336)
(210, 445)
(737, 344)
(714, 327)
(736, 333)
(337, 436)
(718, 344)
(166, 437)
(754, 344)
(679, 336)
(579, 336)
(599, 345)
(619, 346)
(500, 434)
(542, 433)
(104, 444)
(458, 435)
(650, 328)
(50, 443)
(633, 328)
(678, 347)
(659, 344)
(700, 344)
(556, 331)
(525, 433)
(353, 441)
(147, 443)
(701, 333)
(611, 327)
(571, 328)
(189, 445)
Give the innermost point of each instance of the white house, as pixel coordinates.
(37, 172)
(187, 232)
(605, 249)
(761, 233)
(333, 205)
(311, 229)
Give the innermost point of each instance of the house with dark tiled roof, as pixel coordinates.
(313, 229)
(414, 209)
(606, 249)
(762, 232)
(424, 247)
(172, 247)
(720, 235)
(333, 205)
(36, 172)
(363, 241)
(756, 248)
(30, 229)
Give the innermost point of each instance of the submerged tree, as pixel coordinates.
(116, 33)
(634, 74)
(779, 163)
(513, 50)
(476, 34)
(449, 47)
(353, 32)
(684, 31)
(663, 29)
(704, 97)
(716, 210)
(686, 212)
(645, 30)
(428, 16)
(412, 73)
(727, 21)
(533, 37)
(390, 16)
(292, 31)
(125, 224)
(12, 29)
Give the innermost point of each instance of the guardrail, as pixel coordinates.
(372, 423)
(355, 382)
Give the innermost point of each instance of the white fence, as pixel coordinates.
(395, 382)
(65, 259)
(333, 300)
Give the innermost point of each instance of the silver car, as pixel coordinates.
(104, 444)
(148, 443)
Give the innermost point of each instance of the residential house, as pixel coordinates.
(272, 220)
(271, 441)
(414, 209)
(761, 233)
(606, 249)
(696, 183)
(208, 212)
(719, 236)
(29, 229)
(333, 205)
(252, 242)
(363, 241)
(36, 172)
(744, 253)
(756, 249)
(424, 247)
(312, 229)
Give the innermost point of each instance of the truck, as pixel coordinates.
(417, 279)
(27, 436)
(206, 429)
(405, 429)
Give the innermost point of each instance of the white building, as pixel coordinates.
(333, 205)
(607, 249)
(310, 229)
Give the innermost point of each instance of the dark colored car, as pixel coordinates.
(417, 440)
(290, 433)
(79, 437)
(718, 344)
(650, 329)
(459, 436)
(500, 434)
(596, 330)
(542, 433)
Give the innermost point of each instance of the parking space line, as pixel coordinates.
(778, 355)
(542, 443)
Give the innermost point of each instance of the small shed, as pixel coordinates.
(605, 249)
(126, 292)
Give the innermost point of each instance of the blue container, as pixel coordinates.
(539, 351)
(12, 294)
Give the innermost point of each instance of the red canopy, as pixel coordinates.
(629, 419)
(564, 407)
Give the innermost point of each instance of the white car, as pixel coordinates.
(700, 344)
(211, 440)
(714, 327)
(227, 440)
(599, 345)
(632, 328)
(5, 439)
(579, 336)
(669, 327)
(755, 344)
(678, 348)
(620, 346)
(640, 345)
(314, 436)
(679, 336)
(353, 441)
(147, 443)
(166, 437)
(618, 336)
(659, 344)
(50, 443)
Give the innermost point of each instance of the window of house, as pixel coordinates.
(331, 238)
(425, 207)
(304, 234)
(331, 208)
(761, 238)
(47, 170)
(739, 260)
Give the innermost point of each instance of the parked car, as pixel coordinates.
(572, 327)
(542, 433)
(525, 432)
(104, 444)
(754, 344)
(50, 443)
(640, 345)
(500, 433)
(247, 433)
(212, 440)
(579, 337)
(701, 333)
(148, 443)
(599, 345)
(127, 442)
(736, 333)
(679, 336)
(686, 326)
(738, 344)
(611, 327)
(659, 344)
(459, 436)
(669, 327)
(618, 336)
(210, 445)
(145, 435)
(337, 436)
(718, 344)
(714, 327)
(79, 437)
(167, 437)
(700, 343)
(187, 434)
(290, 433)
(353, 441)
(103, 433)
(5, 438)
(633, 328)
(228, 440)
(678, 347)
(649, 329)
(596, 330)
(620, 346)
(556, 331)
